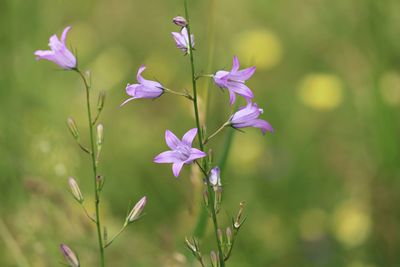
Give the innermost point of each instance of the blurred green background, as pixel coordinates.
(323, 190)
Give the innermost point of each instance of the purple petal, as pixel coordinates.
(152, 85)
(44, 54)
(263, 125)
(232, 97)
(55, 44)
(176, 168)
(235, 64)
(241, 89)
(131, 88)
(189, 136)
(195, 154)
(243, 75)
(64, 34)
(171, 139)
(166, 157)
(246, 114)
(139, 74)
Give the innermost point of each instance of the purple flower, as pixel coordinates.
(181, 151)
(234, 81)
(248, 117)
(182, 40)
(215, 177)
(180, 21)
(144, 89)
(59, 53)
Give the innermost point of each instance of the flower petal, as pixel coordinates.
(235, 64)
(64, 34)
(241, 89)
(243, 75)
(263, 125)
(187, 139)
(44, 54)
(131, 88)
(195, 154)
(171, 139)
(166, 157)
(139, 77)
(176, 168)
(232, 97)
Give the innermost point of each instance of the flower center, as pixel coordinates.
(183, 152)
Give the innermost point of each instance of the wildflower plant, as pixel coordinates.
(183, 151)
(66, 59)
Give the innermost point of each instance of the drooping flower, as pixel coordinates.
(180, 21)
(182, 40)
(143, 89)
(181, 151)
(248, 117)
(234, 81)
(59, 52)
(69, 256)
(215, 177)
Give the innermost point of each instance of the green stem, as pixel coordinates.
(94, 166)
(115, 236)
(216, 132)
(178, 93)
(200, 137)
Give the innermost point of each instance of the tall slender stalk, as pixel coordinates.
(200, 138)
(94, 167)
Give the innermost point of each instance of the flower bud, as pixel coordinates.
(69, 256)
(100, 134)
(100, 182)
(191, 246)
(180, 21)
(214, 259)
(220, 236)
(215, 177)
(101, 100)
(76, 192)
(238, 221)
(72, 128)
(229, 235)
(136, 211)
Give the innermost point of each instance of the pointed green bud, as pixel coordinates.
(76, 192)
(220, 236)
(72, 128)
(101, 100)
(100, 134)
(214, 259)
(229, 235)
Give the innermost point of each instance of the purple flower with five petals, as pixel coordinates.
(248, 117)
(182, 40)
(59, 52)
(234, 81)
(181, 151)
(144, 89)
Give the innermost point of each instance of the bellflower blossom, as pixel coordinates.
(215, 177)
(182, 40)
(248, 117)
(181, 151)
(144, 89)
(59, 52)
(234, 81)
(180, 21)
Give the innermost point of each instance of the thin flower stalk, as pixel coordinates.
(200, 136)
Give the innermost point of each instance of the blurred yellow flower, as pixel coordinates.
(389, 85)
(261, 48)
(321, 91)
(351, 223)
(312, 224)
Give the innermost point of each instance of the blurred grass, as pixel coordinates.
(321, 191)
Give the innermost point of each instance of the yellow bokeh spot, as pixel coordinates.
(389, 85)
(261, 48)
(321, 91)
(352, 224)
(312, 224)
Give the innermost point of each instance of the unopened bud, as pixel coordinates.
(229, 235)
(180, 21)
(215, 177)
(220, 236)
(69, 256)
(72, 128)
(99, 182)
(76, 192)
(100, 134)
(214, 259)
(101, 100)
(136, 211)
